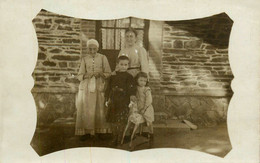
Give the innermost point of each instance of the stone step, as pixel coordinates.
(160, 116)
(172, 124)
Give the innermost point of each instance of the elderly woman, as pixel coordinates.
(93, 72)
(138, 58)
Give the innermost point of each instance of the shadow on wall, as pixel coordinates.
(195, 56)
(214, 30)
(195, 75)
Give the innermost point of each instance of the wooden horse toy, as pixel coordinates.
(136, 118)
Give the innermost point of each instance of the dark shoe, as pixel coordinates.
(114, 142)
(102, 136)
(84, 137)
(128, 139)
(151, 140)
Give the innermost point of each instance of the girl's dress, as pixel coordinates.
(90, 101)
(144, 101)
(138, 59)
(119, 90)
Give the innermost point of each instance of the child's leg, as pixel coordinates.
(150, 129)
(150, 134)
(114, 128)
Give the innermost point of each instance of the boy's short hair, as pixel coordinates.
(123, 57)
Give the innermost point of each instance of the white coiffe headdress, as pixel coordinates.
(92, 42)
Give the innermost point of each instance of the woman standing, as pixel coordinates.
(93, 72)
(138, 58)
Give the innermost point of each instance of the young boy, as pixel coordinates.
(119, 92)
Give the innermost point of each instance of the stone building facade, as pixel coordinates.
(190, 75)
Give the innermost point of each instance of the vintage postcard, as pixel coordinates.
(130, 81)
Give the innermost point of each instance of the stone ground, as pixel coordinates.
(213, 140)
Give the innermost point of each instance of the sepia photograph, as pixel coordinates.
(132, 84)
(129, 81)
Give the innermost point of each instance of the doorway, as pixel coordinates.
(111, 33)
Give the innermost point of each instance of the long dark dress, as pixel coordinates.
(120, 88)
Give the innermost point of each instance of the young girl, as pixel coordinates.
(144, 101)
(118, 94)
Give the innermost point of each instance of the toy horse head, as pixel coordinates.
(133, 107)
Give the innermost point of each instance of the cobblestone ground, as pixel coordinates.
(213, 140)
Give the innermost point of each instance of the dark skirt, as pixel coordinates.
(118, 108)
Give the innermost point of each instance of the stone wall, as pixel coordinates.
(190, 75)
(59, 53)
(61, 47)
(195, 56)
(195, 68)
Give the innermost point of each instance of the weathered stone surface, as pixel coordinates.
(43, 73)
(222, 51)
(48, 21)
(70, 40)
(210, 52)
(72, 33)
(169, 59)
(36, 20)
(166, 78)
(74, 64)
(72, 52)
(63, 64)
(54, 79)
(49, 63)
(40, 79)
(215, 84)
(167, 45)
(192, 44)
(189, 82)
(42, 48)
(55, 50)
(219, 60)
(72, 80)
(41, 56)
(62, 21)
(175, 51)
(67, 28)
(66, 57)
(203, 85)
(178, 44)
(42, 26)
(167, 29)
(183, 71)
